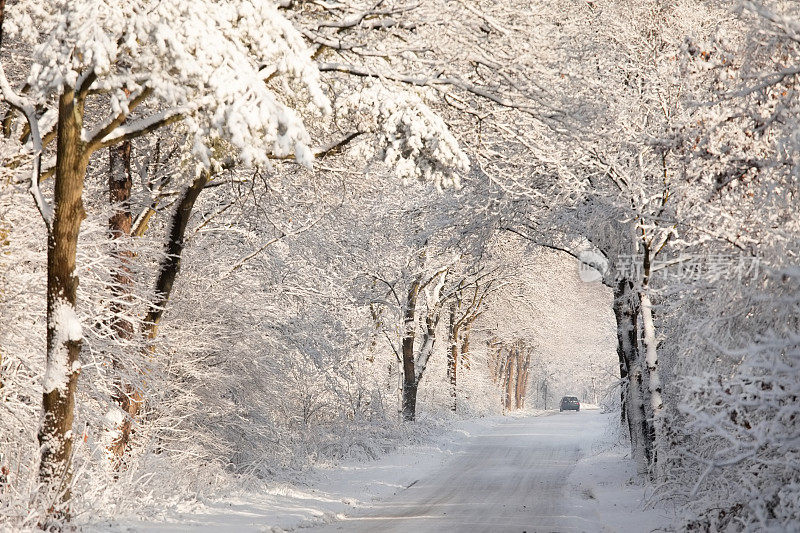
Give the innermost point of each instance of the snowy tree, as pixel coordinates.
(740, 155)
(317, 219)
(209, 75)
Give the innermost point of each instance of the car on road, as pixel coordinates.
(570, 403)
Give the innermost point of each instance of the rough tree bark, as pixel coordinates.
(452, 355)
(626, 311)
(63, 329)
(409, 334)
(2, 18)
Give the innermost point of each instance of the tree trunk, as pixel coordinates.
(171, 264)
(522, 378)
(501, 372)
(409, 400)
(626, 340)
(126, 395)
(420, 363)
(452, 356)
(509, 382)
(168, 271)
(2, 19)
(64, 336)
(464, 355)
(409, 374)
(626, 310)
(637, 418)
(653, 377)
(119, 189)
(495, 360)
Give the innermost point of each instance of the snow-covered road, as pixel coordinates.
(513, 477)
(555, 472)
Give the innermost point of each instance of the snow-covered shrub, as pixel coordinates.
(746, 421)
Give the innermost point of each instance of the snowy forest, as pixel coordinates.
(243, 239)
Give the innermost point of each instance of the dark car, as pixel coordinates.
(570, 403)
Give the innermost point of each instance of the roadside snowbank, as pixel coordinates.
(606, 490)
(323, 495)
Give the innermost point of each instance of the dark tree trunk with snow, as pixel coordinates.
(132, 402)
(63, 329)
(626, 340)
(409, 372)
(410, 400)
(508, 382)
(415, 360)
(626, 311)
(452, 356)
(126, 395)
(171, 264)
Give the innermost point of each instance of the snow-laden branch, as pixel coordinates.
(27, 108)
(100, 134)
(594, 258)
(215, 73)
(790, 28)
(412, 139)
(140, 127)
(358, 18)
(435, 82)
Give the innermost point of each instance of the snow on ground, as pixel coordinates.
(512, 478)
(605, 489)
(324, 495)
(599, 495)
